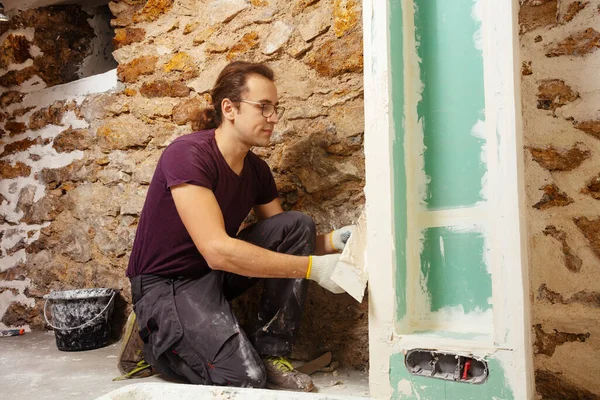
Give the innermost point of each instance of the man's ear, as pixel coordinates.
(228, 109)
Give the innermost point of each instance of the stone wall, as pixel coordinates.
(169, 53)
(40, 50)
(561, 116)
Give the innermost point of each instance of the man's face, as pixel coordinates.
(254, 128)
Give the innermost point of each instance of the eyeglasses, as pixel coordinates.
(268, 109)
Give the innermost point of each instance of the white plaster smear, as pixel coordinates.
(454, 319)
(487, 148)
(33, 84)
(477, 15)
(16, 67)
(76, 90)
(8, 262)
(479, 129)
(414, 162)
(35, 51)
(29, 33)
(405, 388)
(7, 297)
(49, 158)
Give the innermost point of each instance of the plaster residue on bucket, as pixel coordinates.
(80, 318)
(78, 294)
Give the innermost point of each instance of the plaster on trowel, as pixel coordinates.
(350, 273)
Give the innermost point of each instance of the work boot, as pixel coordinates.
(131, 356)
(281, 375)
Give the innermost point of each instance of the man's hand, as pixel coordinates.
(320, 270)
(339, 237)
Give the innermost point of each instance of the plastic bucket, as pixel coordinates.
(80, 318)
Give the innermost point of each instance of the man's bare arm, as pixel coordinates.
(202, 217)
(264, 211)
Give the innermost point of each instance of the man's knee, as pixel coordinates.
(301, 221)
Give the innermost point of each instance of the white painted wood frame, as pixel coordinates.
(502, 86)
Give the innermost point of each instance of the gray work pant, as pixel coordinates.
(192, 334)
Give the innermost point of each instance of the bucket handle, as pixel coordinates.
(85, 323)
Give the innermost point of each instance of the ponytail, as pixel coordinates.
(206, 120)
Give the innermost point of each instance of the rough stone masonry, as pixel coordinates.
(560, 40)
(75, 174)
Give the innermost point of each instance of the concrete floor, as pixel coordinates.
(31, 367)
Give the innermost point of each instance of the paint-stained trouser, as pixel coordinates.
(193, 334)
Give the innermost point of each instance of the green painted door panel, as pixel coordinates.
(454, 270)
(452, 101)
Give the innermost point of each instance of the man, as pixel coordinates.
(189, 260)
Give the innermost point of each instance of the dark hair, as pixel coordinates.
(230, 84)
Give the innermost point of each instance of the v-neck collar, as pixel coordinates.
(222, 159)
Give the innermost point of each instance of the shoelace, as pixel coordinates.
(142, 365)
(281, 364)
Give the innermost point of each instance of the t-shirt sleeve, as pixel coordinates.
(268, 189)
(184, 162)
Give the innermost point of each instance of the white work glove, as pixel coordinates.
(320, 270)
(339, 237)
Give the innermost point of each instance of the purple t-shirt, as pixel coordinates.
(162, 245)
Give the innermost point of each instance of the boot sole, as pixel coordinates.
(131, 320)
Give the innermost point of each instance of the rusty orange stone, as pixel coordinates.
(131, 71)
(574, 8)
(247, 42)
(554, 159)
(345, 16)
(152, 10)
(10, 171)
(127, 36)
(18, 146)
(590, 127)
(578, 44)
(180, 62)
(15, 128)
(338, 56)
(555, 93)
(535, 14)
